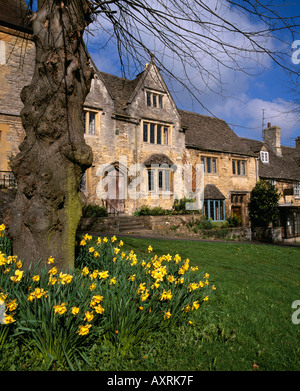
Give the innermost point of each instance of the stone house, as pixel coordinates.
(146, 150)
(280, 165)
(17, 53)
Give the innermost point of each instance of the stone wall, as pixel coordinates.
(225, 181)
(164, 226)
(15, 72)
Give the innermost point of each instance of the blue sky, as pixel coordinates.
(248, 101)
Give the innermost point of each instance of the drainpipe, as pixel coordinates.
(256, 168)
(136, 156)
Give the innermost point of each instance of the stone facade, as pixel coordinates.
(143, 145)
(16, 69)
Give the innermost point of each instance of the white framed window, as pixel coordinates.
(155, 133)
(91, 122)
(297, 190)
(264, 156)
(154, 99)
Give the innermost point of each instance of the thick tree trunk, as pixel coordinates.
(53, 155)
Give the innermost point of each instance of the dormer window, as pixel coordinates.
(264, 156)
(154, 99)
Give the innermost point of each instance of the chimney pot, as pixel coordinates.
(269, 124)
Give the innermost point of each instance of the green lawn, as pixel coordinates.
(245, 325)
(248, 319)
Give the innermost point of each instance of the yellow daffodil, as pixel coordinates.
(92, 287)
(60, 308)
(192, 286)
(113, 239)
(94, 274)
(103, 274)
(167, 315)
(116, 250)
(18, 276)
(150, 249)
(177, 258)
(99, 309)
(53, 271)
(206, 298)
(91, 249)
(83, 330)
(132, 278)
(85, 271)
(142, 287)
(8, 319)
(12, 305)
(195, 305)
(88, 316)
(145, 295)
(113, 281)
(105, 240)
(121, 243)
(75, 310)
(36, 278)
(166, 295)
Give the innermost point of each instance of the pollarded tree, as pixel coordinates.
(263, 205)
(54, 155)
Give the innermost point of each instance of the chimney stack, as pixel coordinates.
(272, 137)
(298, 143)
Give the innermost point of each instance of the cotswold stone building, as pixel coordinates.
(146, 150)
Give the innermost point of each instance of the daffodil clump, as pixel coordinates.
(111, 294)
(142, 296)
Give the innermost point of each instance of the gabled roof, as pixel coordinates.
(13, 15)
(119, 88)
(210, 134)
(211, 192)
(285, 167)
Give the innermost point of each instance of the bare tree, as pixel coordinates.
(53, 155)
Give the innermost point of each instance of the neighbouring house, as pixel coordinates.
(17, 53)
(146, 150)
(281, 166)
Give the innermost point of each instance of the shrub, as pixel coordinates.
(91, 210)
(234, 220)
(263, 205)
(182, 206)
(146, 210)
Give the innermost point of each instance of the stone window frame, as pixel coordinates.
(87, 125)
(154, 99)
(152, 133)
(239, 167)
(160, 185)
(212, 167)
